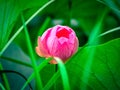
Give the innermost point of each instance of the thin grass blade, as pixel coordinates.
(21, 28)
(52, 80)
(109, 31)
(45, 24)
(7, 86)
(2, 87)
(33, 60)
(92, 39)
(40, 67)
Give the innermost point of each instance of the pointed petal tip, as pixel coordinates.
(39, 52)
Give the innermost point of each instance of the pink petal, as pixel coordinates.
(52, 44)
(63, 32)
(72, 37)
(54, 30)
(76, 45)
(42, 49)
(63, 52)
(46, 34)
(68, 28)
(62, 40)
(39, 52)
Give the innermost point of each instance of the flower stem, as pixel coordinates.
(55, 70)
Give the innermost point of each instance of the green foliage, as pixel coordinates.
(5, 79)
(2, 87)
(10, 11)
(94, 67)
(103, 73)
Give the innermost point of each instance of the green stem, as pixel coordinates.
(10, 71)
(43, 64)
(55, 70)
(95, 32)
(63, 73)
(52, 81)
(21, 28)
(33, 60)
(44, 26)
(109, 31)
(2, 87)
(7, 86)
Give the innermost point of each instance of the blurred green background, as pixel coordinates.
(96, 64)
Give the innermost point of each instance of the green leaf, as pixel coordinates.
(103, 73)
(10, 11)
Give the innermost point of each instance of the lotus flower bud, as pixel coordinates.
(58, 41)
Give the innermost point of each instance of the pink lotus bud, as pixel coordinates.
(59, 41)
